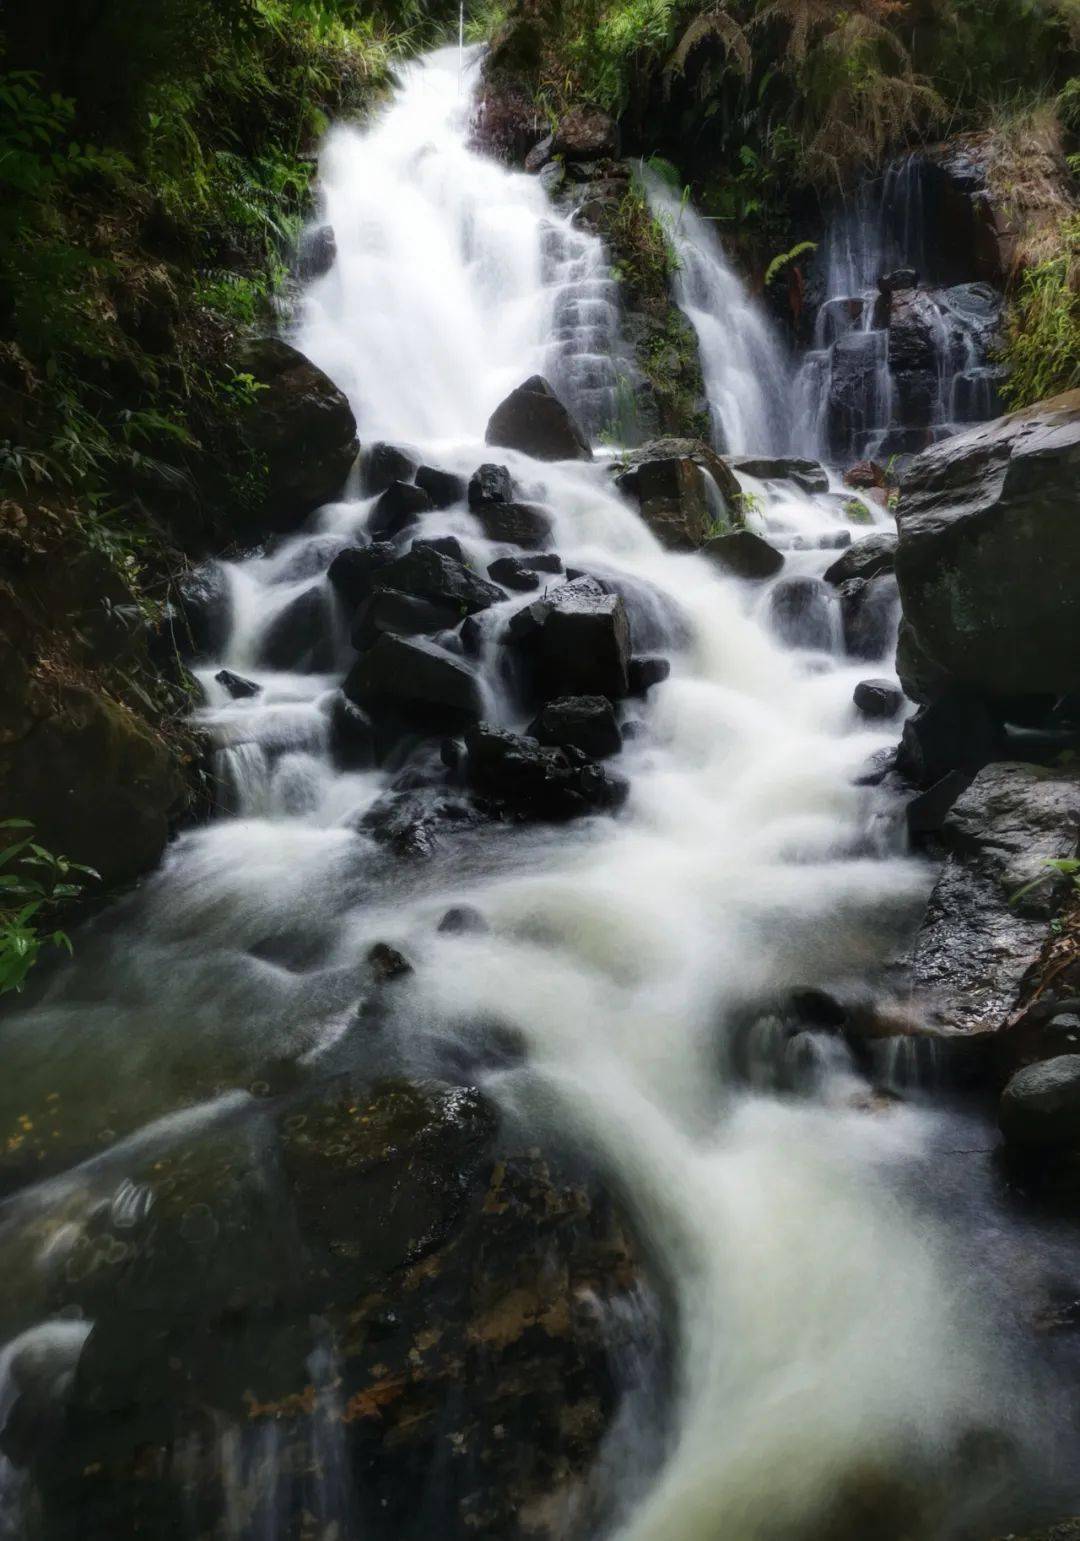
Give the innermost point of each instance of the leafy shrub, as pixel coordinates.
(34, 884)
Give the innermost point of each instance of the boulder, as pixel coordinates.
(743, 554)
(856, 387)
(868, 613)
(534, 421)
(878, 698)
(864, 475)
(490, 483)
(586, 134)
(400, 615)
(988, 560)
(977, 940)
(577, 640)
(540, 154)
(445, 545)
(685, 492)
(515, 524)
(867, 558)
(203, 605)
(586, 723)
(397, 510)
(414, 824)
(352, 736)
(237, 686)
(300, 638)
(530, 780)
(808, 475)
(384, 464)
(427, 573)
(444, 488)
(300, 426)
(316, 253)
(1040, 1105)
(800, 613)
(353, 571)
(411, 678)
(954, 733)
(893, 283)
(647, 672)
(512, 573)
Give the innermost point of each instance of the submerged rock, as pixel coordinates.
(401, 615)
(867, 558)
(878, 698)
(534, 421)
(868, 614)
(808, 475)
(237, 686)
(685, 492)
(300, 638)
(800, 614)
(316, 253)
(203, 604)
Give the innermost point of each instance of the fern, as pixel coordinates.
(782, 261)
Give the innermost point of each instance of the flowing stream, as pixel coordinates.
(822, 1277)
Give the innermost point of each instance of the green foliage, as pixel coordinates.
(34, 884)
(1042, 346)
(784, 259)
(1064, 866)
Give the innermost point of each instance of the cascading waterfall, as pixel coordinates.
(821, 1343)
(742, 361)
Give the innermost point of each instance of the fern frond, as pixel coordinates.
(716, 24)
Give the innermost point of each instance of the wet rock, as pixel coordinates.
(586, 134)
(800, 614)
(300, 426)
(515, 524)
(463, 920)
(577, 639)
(586, 723)
(868, 612)
(400, 615)
(532, 781)
(685, 492)
(300, 638)
(512, 573)
(385, 464)
(977, 940)
(386, 962)
(445, 545)
(1040, 1106)
(864, 475)
(427, 573)
(914, 332)
(540, 154)
(867, 558)
(353, 571)
(534, 421)
(878, 698)
(398, 508)
(646, 672)
(444, 488)
(415, 824)
(956, 732)
(490, 483)
(988, 562)
(858, 363)
(203, 606)
(808, 475)
(743, 554)
(237, 686)
(893, 283)
(927, 812)
(352, 736)
(413, 678)
(316, 254)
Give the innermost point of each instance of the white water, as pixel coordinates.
(820, 1340)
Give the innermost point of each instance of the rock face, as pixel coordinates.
(301, 427)
(577, 641)
(685, 492)
(586, 723)
(808, 475)
(988, 559)
(586, 134)
(975, 945)
(531, 780)
(414, 679)
(534, 421)
(429, 574)
(1040, 1106)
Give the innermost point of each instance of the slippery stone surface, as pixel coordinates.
(384, 464)
(577, 640)
(414, 678)
(533, 781)
(401, 615)
(1040, 1106)
(444, 488)
(515, 524)
(878, 698)
(799, 612)
(301, 426)
(490, 483)
(988, 560)
(867, 558)
(807, 475)
(977, 941)
(586, 723)
(743, 554)
(427, 573)
(534, 421)
(868, 611)
(670, 480)
(300, 637)
(398, 509)
(352, 573)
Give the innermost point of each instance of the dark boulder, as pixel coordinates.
(540, 154)
(515, 524)
(878, 698)
(955, 732)
(237, 686)
(300, 426)
(444, 488)
(868, 613)
(914, 332)
(300, 638)
(352, 736)
(384, 464)
(397, 510)
(428, 574)
(512, 573)
(353, 572)
(685, 492)
(579, 722)
(203, 605)
(400, 615)
(988, 560)
(490, 483)
(316, 253)
(743, 554)
(586, 134)
(865, 475)
(411, 678)
(577, 639)
(647, 672)
(414, 824)
(867, 558)
(808, 475)
(534, 421)
(1040, 1106)
(463, 920)
(445, 545)
(800, 613)
(895, 282)
(856, 387)
(531, 781)
(978, 939)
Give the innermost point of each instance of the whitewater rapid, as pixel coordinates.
(822, 1336)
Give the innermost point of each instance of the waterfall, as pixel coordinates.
(818, 1339)
(742, 361)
